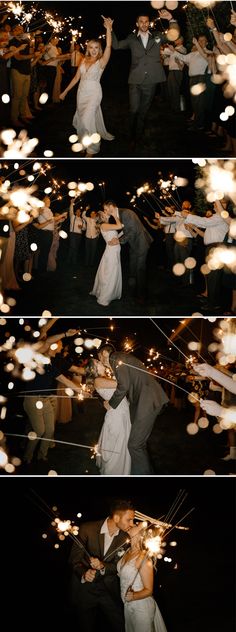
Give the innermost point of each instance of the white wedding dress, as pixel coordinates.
(108, 281)
(88, 118)
(114, 457)
(142, 615)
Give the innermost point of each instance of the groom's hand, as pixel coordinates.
(96, 563)
(106, 405)
(89, 576)
(114, 241)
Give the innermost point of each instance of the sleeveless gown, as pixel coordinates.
(108, 281)
(142, 615)
(88, 118)
(114, 436)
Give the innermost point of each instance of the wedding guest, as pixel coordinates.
(77, 225)
(90, 219)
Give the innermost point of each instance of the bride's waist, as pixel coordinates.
(85, 80)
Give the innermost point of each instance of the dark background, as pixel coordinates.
(196, 596)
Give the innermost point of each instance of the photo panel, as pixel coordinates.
(118, 238)
(118, 397)
(144, 79)
(194, 576)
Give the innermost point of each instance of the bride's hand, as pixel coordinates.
(106, 405)
(62, 96)
(129, 595)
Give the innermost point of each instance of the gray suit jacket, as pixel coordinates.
(144, 393)
(145, 62)
(135, 233)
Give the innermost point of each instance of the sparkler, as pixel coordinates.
(17, 147)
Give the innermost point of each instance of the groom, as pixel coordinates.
(139, 240)
(95, 584)
(146, 398)
(146, 69)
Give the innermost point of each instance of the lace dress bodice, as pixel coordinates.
(108, 235)
(91, 73)
(129, 577)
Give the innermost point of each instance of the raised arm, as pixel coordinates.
(107, 52)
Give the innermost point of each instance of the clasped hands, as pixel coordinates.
(96, 565)
(106, 405)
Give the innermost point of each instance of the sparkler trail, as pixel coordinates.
(181, 520)
(158, 377)
(77, 445)
(179, 350)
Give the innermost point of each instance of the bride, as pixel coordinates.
(108, 281)
(114, 457)
(88, 119)
(136, 583)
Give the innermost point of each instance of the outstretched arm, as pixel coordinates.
(71, 85)
(208, 371)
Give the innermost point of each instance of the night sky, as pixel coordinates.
(196, 596)
(125, 176)
(141, 331)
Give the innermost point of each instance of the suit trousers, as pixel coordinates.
(42, 421)
(199, 102)
(174, 84)
(20, 85)
(44, 241)
(50, 76)
(140, 99)
(137, 444)
(213, 281)
(100, 599)
(137, 272)
(74, 248)
(183, 251)
(91, 250)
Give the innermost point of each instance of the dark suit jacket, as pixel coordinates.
(142, 389)
(145, 62)
(135, 233)
(93, 540)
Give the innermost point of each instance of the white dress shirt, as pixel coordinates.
(108, 539)
(144, 37)
(76, 223)
(51, 52)
(171, 55)
(44, 216)
(91, 226)
(178, 221)
(196, 63)
(216, 227)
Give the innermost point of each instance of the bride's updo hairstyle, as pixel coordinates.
(94, 41)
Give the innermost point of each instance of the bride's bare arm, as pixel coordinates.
(71, 85)
(104, 382)
(107, 52)
(116, 226)
(146, 573)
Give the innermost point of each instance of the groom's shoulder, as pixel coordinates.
(91, 525)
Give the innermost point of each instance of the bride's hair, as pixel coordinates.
(94, 41)
(109, 347)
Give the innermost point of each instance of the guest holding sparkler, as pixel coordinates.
(136, 573)
(88, 119)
